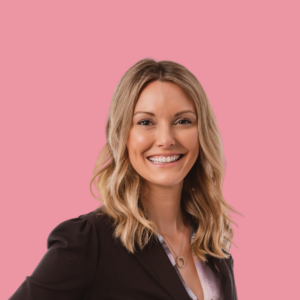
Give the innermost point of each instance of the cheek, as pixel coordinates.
(190, 140)
(138, 143)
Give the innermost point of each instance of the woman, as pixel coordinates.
(164, 230)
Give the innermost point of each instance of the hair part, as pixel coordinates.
(120, 185)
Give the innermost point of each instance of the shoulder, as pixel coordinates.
(99, 220)
(69, 267)
(86, 229)
(97, 217)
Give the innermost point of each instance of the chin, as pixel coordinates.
(164, 183)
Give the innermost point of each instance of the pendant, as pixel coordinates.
(182, 260)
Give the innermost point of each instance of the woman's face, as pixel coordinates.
(164, 126)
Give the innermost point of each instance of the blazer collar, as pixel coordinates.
(156, 262)
(223, 270)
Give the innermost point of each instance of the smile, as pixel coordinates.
(163, 160)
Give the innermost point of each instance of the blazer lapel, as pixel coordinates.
(156, 262)
(222, 269)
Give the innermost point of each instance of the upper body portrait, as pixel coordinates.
(164, 229)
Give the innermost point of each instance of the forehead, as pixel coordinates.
(161, 94)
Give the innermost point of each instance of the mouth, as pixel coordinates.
(163, 160)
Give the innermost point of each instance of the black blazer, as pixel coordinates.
(85, 262)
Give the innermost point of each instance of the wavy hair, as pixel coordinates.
(120, 185)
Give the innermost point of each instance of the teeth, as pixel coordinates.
(163, 159)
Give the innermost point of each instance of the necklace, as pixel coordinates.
(180, 261)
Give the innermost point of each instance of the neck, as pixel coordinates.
(163, 207)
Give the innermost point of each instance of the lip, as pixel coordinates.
(165, 154)
(174, 163)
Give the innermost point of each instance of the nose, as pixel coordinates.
(165, 136)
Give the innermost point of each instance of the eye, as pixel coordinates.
(185, 120)
(142, 123)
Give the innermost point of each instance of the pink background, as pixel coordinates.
(59, 65)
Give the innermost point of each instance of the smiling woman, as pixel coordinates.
(164, 230)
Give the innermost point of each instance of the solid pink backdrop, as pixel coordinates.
(59, 65)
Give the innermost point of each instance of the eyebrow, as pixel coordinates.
(152, 114)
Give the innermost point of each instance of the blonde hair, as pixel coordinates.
(119, 184)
